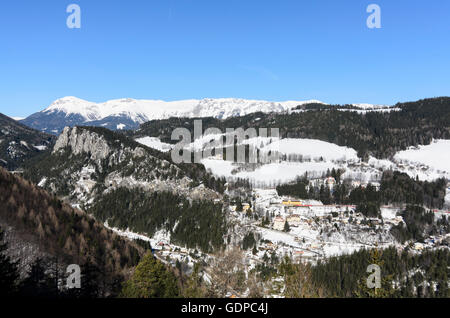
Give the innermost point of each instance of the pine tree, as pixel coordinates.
(9, 274)
(386, 289)
(193, 287)
(38, 282)
(151, 280)
(286, 228)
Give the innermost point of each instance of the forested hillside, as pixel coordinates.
(380, 134)
(197, 224)
(58, 230)
(88, 160)
(396, 188)
(414, 275)
(19, 143)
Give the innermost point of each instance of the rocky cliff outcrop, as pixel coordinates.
(88, 162)
(82, 141)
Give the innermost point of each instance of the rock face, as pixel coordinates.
(83, 141)
(88, 162)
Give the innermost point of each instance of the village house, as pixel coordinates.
(293, 220)
(298, 254)
(418, 246)
(302, 210)
(329, 182)
(269, 246)
(290, 202)
(278, 223)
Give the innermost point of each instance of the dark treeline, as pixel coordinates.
(48, 278)
(395, 188)
(249, 241)
(193, 224)
(418, 224)
(345, 276)
(302, 190)
(380, 134)
(63, 236)
(399, 187)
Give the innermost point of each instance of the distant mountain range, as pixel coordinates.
(130, 113)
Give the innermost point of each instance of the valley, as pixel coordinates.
(347, 180)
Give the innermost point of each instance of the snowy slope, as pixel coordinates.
(312, 148)
(308, 148)
(278, 173)
(435, 155)
(155, 143)
(315, 157)
(72, 105)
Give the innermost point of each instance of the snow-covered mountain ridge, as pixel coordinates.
(144, 110)
(128, 113)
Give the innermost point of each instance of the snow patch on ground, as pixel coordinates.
(155, 143)
(283, 171)
(24, 143)
(435, 155)
(41, 148)
(341, 249)
(127, 233)
(389, 212)
(42, 182)
(313, 148)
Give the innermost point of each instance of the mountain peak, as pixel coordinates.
(71, 105)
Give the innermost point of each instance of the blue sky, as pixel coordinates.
(179, 49)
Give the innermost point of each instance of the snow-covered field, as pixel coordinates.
(312, 148)
(318, 156)
(425, 162)
(278, 172)
(155, 143)
(435, 155)
(308, 148)
(389, 212)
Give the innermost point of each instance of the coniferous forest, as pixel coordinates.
(197, 224)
